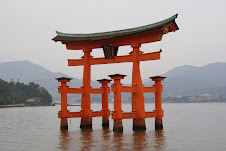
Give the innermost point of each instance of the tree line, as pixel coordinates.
(19, 93)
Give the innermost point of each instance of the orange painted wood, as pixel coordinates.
(125, 115)
(149, 89)
(74, 114)
(128, 88)
(85, 101)
(105, 109)
(128, 115)
(149, 56)
(158, 96)
(80, 114)
(117, 98)
(117, 59)
(81, 90)
(75, 62)
(96, 91)
(138, 96)
(60, 114)
(97, 113)
(150, 114)
(75, 90)
(131, 115)
(63, 89)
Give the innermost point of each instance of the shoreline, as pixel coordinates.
(5, 106)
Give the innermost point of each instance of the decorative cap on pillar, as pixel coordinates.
(63, 79)
(117, 76)
(104, 80)
(157, 78)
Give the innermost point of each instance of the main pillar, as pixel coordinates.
(86, 120)
(117, 102)
(63, 111)
(105, 88)
(138, 95)
(158, 104)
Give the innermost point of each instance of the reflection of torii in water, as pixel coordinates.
(110, 41)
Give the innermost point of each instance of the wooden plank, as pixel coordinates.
(97, 113)
(150, 114)
(96, 91)
(74, 114)
(117, 59)
(149, 89)
(75, 90)
(128, 89)
(149, 56)
(127, 115)
(75, 62)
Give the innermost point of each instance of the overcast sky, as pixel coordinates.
(27, 27)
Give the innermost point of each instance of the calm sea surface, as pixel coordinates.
(187, 127)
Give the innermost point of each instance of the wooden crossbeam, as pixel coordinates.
(116, 59)
(70, 114)
(149, 89)
(75, 90)
(96, 91)
(130, 115)
(82, 90)
(80, 114)
(125, 115)
(128, 89)
(150, 114)
(97, 113)
(74, 114)
(133, 89)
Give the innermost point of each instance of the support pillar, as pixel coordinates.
(117, 102)
(158, 103)
(86, 120)
(63, 111)
(105, 109)
(138, 96)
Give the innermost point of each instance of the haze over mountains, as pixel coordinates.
(26, 72)
(183, 80)
(191, 80)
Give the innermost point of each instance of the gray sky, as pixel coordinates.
(27, 27)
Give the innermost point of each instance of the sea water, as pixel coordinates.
(192, 126)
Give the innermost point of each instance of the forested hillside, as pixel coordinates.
(19, 93)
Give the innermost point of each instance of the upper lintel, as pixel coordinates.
(66, 37)
(138, 35)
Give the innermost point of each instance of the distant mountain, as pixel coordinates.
(190, 80)
(183, 80)
(27, 72)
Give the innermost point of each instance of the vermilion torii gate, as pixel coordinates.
(110, 41)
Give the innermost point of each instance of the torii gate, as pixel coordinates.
(110, 41)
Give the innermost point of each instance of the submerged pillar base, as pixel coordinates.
(158, 123)
(105, 122)
(63, 124)
(86, 123)
(139, 124)
(118, 125)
